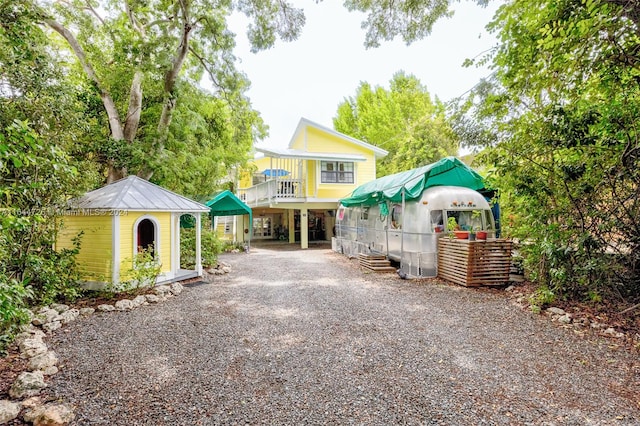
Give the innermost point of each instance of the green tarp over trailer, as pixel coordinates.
(227, 204)
(448, 171)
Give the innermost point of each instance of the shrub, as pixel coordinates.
(14, 297)
(144, 271)
(211, 247)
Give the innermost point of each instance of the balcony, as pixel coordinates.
(273, 191)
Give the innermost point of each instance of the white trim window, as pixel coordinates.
(336, 172)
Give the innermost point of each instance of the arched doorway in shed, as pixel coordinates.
(146, 233)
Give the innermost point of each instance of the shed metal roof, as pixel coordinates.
(136, 194)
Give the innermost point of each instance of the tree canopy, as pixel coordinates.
(143, 59)
(403, 120)
(564, 106)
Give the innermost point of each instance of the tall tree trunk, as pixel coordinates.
(170, 97)
(115, 126)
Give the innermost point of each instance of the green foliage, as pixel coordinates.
(452, 224)
(565, 153)
(541, 298)
(35, 178)
(403, 120)
(410, 19)
(14, 299)
(215, 141)
(142, 63)
(211, 247)
(142, 274)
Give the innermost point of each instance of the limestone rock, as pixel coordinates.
(50, 415)
(32, 347)
(87, 311)
(124, 305)
(30, 333)
(139, 301)
(226, 269)
(161, 290)
(44, 316)
(152, 298)
(68, 316)
(32, 402)
(55, 415)
(106, 308)
(43, 361)
(8, 411)
(613, 333)
(176, 288)
(27, 384)
(52, 326)
(59, 307)
(556, 311)
(50, 371)
(565, 319)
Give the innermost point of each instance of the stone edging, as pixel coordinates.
(25, 390)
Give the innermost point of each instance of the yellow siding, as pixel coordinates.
(246, 179)
(299, 142)
(94, 259)
(309, 173)
(316, 140)
(127, 222)
(319, 141)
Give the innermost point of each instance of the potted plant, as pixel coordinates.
(472, 234)
(452, 225)
(454, 229)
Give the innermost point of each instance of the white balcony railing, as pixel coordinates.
(272, 191)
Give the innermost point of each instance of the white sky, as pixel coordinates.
(309, 77)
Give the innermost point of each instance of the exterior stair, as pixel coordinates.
(375, 263)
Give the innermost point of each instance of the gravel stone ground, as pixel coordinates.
(307, 337)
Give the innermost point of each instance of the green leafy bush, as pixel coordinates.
(36, 180)
(144, 271)
(211, 247)
(14, 298)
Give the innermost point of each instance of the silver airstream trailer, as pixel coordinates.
(406, 228)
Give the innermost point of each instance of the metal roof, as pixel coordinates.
(136, 194)
(306, 155)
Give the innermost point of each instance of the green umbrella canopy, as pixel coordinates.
(222, 204)
(448, 171)
(227, 204)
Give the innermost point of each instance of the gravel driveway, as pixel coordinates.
(306, 337)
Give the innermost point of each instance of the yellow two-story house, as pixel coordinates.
(294, 192)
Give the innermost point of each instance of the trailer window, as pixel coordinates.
(396, 217)
(488, 220)
(365, 213)
(467, 219)
(437, 224)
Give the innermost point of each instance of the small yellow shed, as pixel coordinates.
(122, 218)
